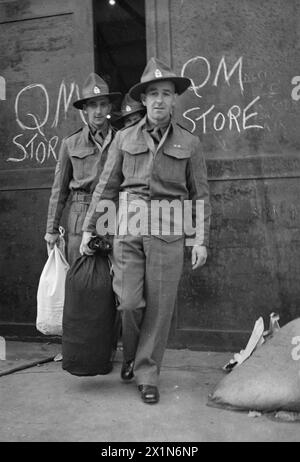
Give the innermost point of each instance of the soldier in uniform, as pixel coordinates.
(131, 111)
(155, 159)
(81, 160)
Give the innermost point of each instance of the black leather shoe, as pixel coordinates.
(149, 394)
(127, 370)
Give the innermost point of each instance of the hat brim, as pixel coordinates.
(143, 110)
(181, 84)
(112, 96)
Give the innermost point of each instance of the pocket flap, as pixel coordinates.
(83, 152)
(135, 149)
(178, 153)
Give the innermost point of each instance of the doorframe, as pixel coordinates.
(158, 30)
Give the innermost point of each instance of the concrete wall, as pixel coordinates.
(46, 52)
(243, 58)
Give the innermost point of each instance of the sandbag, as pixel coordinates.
(89, 317)
(269, 380)
(51, 294)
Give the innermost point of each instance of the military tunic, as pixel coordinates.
(81, 161)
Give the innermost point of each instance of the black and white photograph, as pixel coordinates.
(150, 224)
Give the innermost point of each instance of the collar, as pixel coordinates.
(89, 138)
(103, 132)
(144, 123)
(174, 136)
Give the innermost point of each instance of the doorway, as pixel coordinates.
(120, 42)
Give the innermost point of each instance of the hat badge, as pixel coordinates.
(128, 108)
(157, 73)
(96, 90)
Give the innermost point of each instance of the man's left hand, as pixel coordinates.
(199, 256)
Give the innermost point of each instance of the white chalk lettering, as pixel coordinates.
(37, 125)
(51, 147)
(253, 114)
(21, 147)
(237, 117)
(232, 116)
(222, 64)
(192, 62)
(203, 116)
(185, 115)
(34, 150)
(195, 64)
(40, 148)
(41, 153)
(66, 100)
(217, 116)
(31, 144)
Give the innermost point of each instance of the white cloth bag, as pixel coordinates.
(51, 294)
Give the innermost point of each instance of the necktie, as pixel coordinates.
(156, 134)
(99, 138)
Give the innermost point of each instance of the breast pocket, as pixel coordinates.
(84, 163)
(173, 164)
(135, 161)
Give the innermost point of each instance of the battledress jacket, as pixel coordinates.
(176, 169)
(79, 166)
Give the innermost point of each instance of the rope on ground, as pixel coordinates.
(27, 366)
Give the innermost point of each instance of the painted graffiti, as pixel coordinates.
(296, 90)
(39, 147)
(238, 118)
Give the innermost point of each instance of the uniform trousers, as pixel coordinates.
(147, 272)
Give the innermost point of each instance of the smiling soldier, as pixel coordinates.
(153, 160)
(81, 161)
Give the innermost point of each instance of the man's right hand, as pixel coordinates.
(84, 248)
(51, 239)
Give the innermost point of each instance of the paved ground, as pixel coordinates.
(45, 403)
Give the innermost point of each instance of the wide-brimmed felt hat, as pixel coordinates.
(94, 87)
(130, 106)
(156, 71)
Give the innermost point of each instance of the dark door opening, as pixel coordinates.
(120, 42)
